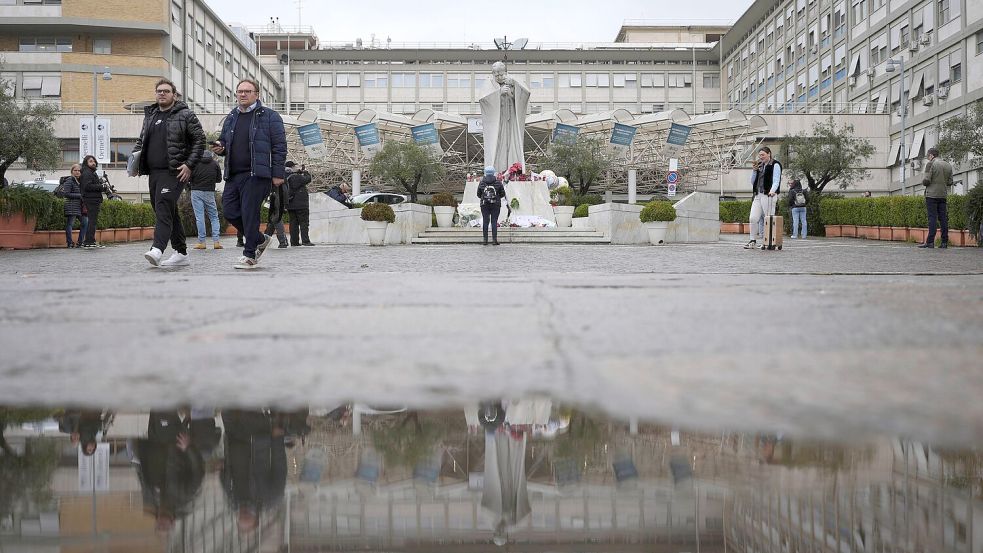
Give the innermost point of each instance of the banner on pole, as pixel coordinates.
(310, 137)
(565, 133)
(94, 142)
(622, 135)
(368, 138)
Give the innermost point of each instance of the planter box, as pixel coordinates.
(147, 233)
(17, 231)
(957, 238)
(899, 234)
(884, 233)
(121, 234)
(134, 234)
(970, 241)
(849, 231)
(730, 228)
(868, 233)
(834, 231)
(56, 239)
(105, 236)
(918, 234)
(40, 239)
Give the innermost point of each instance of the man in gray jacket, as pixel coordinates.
(938, 178)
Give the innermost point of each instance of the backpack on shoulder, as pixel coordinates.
(799, 199)
(62, 188)
(488, 194)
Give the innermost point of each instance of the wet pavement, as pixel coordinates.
(830, 339)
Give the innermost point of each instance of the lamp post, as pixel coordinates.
(106, 76)
(892, 66)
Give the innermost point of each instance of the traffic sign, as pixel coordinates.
(671, 192)
(673, 177)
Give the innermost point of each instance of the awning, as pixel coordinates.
(896, 92)
(915, 151)
(855, 65)
(928, 16)
(51, 86)
(916, 90)
(892, 156)
(881, 104)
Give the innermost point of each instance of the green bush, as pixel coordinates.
(890, 211)
(581, 210)
(32, 202)
(738, 211)
(443, 199)
(378, 212)
(112, 214)
(575, 199)
(973, 210)
(657, 210)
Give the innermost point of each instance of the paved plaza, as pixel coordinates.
(834, 338)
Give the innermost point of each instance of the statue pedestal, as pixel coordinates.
(533, 196)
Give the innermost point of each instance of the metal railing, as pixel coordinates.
(855, 108)
(388, 45)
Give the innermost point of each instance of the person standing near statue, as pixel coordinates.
(503, 118)
(490, 194)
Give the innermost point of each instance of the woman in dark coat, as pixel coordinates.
(73, 203)
(92, 196)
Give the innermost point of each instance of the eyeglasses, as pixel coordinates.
(245, 92)
(164, 92)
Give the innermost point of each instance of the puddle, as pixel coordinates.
(516, 475)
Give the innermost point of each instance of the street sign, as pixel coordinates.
(672, 177)
(671, 191)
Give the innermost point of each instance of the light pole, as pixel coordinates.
(106, 76)
(892, 66)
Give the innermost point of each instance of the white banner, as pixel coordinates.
(94, 469)
(475, 125)
(94, 143)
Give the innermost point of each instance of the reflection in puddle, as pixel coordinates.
(526, 475)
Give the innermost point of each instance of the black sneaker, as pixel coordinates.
(308, 244)
(750, 244)
(927, 245)
(944, 245)
(283, 246)
(262, 247)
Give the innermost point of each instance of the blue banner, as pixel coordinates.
(565, 133)
(622, 135)
(678, 134)
(368, 135)
(310, 137)
(425, 134)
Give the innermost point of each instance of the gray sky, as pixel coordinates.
(463, 21)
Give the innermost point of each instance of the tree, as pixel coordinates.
(962, 135)
(828, 153)
(582, 162)
(405, 444)
(11, 416)
(408, 164)
(26, 131)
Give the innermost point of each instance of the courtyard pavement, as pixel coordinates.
(835, 338)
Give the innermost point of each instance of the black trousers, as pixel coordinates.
(93, 208)
(165, 190)
(489, 216)
(938, 216)
(300, 225)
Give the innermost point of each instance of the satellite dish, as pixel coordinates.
(500, 43)
(520, 44)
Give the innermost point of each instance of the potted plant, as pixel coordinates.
(20, 209)
(377, 218)
(444, 207)
(562, 209)
(657, 215)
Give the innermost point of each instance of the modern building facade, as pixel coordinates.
(838, 57)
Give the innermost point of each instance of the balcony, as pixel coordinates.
(33, 10)
(12, 59)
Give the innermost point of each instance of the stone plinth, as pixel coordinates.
(333, 223)
(619, 222)
(533, 196)
(697, 219)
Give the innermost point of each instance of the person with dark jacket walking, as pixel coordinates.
(298, 205)
(203, 179)
(797, 200)
(171, 468)
(937, 180)
(92, 197)
(491, 191)
(339, 193)
(255, 472)
(170, 145)
(254, 143)
(72, 192)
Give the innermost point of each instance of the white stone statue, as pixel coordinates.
(503, 117)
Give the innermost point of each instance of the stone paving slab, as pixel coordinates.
(835, 338)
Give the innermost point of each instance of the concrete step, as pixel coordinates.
(512, 235)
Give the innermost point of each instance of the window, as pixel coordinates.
(102, 46)
(46, 44)
(680, 80)
(625, 80)
(598, 80)
(979, 43)
(348, 79)
(711, 80)
(376, 80)
(176, 13)
(653, 80)
(859, 11)
(209, 43)
(431, 80)
(711, 107)
(177, 59)
(199, 33)
(957, 72)
(40, 85)
(462, 80)
(219, 51)
(571, 80)
(199, 73)
(210, 83)
(315, 80)
(712, 37)
(404, 80)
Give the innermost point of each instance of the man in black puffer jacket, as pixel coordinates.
(171, 144)
(298, 205)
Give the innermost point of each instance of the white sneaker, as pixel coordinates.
(246, 263)
(176, 260)
(153, 256)
(262, 247)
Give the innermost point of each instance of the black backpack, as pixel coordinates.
(799, 198)
(62, 188)
(489, 195)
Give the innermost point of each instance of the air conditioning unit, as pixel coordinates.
(925, 39)
(852, 80)
(928, 100)
(870, 73)
(815, 49)
(899, 112)
(943, 92)
(913, 47)
(916, 164)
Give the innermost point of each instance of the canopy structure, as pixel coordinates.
(716, 143)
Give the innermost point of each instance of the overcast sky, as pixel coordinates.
(464, 20)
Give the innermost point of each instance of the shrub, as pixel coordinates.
(32, 202)
(738, 211)
(658, 210)
(575, 199)
(378, 212)
(973, 210)
(444, 199)
(890, 211)
(581, 210)
(187, 212)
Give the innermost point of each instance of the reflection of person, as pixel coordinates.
(340, 193)
(938, 178)
(171, 468)
(255, 471)
(84, 427)
(491, 191)
(503, 116)
(765, 186)
(254, 143)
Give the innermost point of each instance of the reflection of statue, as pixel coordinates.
(503, 118)
(505, 494)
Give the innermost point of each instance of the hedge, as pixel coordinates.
(889, 211)
(112, 214)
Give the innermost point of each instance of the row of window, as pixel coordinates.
(32, 85)
(536, 81)
(351, 108)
